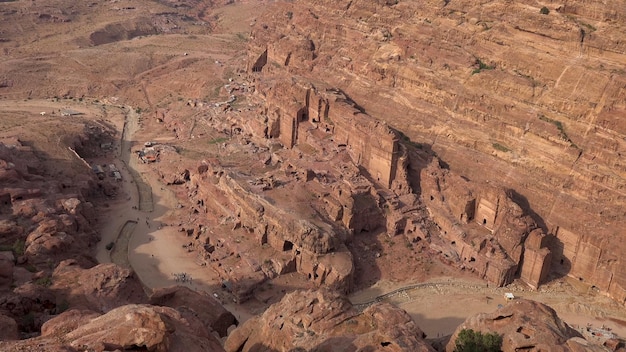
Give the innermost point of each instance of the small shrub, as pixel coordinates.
(44, 281)
(544, 11)
(500, 147)
(475, 341)
(561, 129)
(18, 247)
(481, 66)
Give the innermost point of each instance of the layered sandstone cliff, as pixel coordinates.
(501, 92)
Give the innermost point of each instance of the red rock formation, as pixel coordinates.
(321, 321)
(8, 329)
(102, 288)
(206, 308)
(125, 328)
(527, 325)
(289, 240)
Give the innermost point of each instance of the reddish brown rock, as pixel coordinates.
(124, 328)
(8, 328)
(7, 263)
(153, 328)
(67, 321)
(527, 325)
(101, 288)
(206, 308)
(325, 321)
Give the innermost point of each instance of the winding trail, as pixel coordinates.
(131, 125)
(119, 252)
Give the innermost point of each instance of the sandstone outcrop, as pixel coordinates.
(206, 308)
(325, 321)
(125, 328)
(55, 220)
(100, 288)
(527, 325)
(8, 329)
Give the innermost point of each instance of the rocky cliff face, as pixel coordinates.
(325, 321)
(501, 92)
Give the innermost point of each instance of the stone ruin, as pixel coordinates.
(347, 173)
(480, 227)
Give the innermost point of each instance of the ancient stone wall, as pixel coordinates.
(370, 142)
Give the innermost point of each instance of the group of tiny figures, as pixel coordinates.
(182, 277)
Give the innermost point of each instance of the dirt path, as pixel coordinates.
(119, 252)
(440, 305)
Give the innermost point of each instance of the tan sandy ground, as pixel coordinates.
(439, 311)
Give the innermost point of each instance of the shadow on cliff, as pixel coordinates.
(522, 201)
(560, 265)
(420, 155)
(365, 248)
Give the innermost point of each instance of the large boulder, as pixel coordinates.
(526, 325)
(326, 321)
(101, 288)
(8, 328)
(129, 327)
(206, 308)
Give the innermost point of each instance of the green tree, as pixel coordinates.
(475, 341)
(544, 11)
